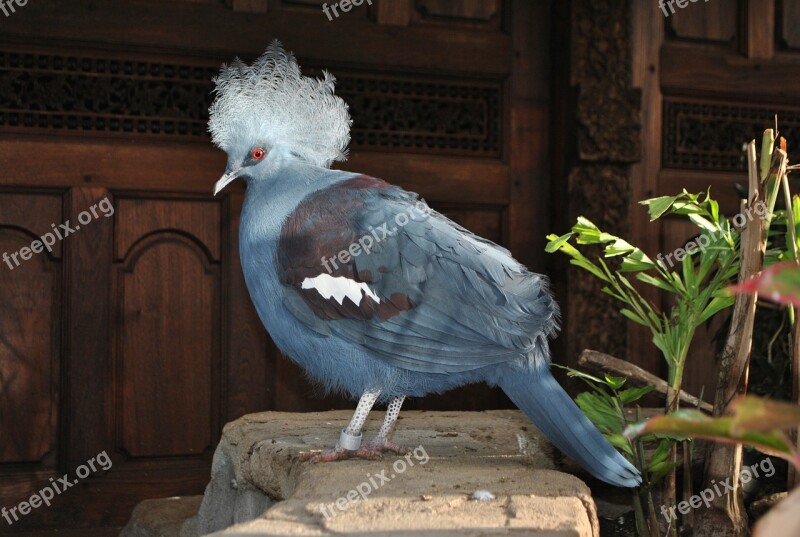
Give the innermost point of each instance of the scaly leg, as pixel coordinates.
(350, 437)
(383, 440)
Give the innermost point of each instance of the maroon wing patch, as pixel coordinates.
(315, 255)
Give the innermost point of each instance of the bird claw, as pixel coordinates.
(376, 447)
(327, 455)
(371, 452)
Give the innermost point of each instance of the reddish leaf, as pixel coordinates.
(780, 283)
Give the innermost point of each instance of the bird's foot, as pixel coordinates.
(328, 455)
(371, 451)
(374, 449)
(340, 454)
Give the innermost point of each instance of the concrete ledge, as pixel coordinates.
(259, 487)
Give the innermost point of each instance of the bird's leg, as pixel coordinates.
(350, 437)
(383, 440)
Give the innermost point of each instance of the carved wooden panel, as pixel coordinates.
(394, 13)
(308, 3)
(87, 312)
(249, 6)
(427, 116)
(29, 329)
(480, 12)
(715, 21)
(788, 27)
(314, 9)
(168, 345)
(138, 218)
(67, 93)
(708, 136)
(63, 94)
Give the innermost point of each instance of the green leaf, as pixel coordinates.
(658, 206)
(687, 207)
(588, 233)
(615, 383)
(584, 223)
(633, 317)
(557, 242)
(661, 453)
(703, 223)
(659, 471)
(687, 266)
(589, 266)
(600, 411)
(621, 443)
(657, 282)
(662, 343)
(631, 395)
(713, 207)
(618, 247)
(575, 373)
(767, 144)
(636, 261)
(716, 305)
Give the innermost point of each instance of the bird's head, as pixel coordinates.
(269, 110)
(246, 164)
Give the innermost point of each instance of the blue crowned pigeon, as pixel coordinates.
(366, 288)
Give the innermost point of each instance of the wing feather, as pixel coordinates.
(448, 301)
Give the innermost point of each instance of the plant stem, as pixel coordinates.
(686, 450)
(646, 488)
(669, 489)
(641, 522)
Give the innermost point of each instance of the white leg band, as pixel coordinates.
(348, 441)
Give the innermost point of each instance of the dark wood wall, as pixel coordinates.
(713, 75)
(135, 335)
(647, 105)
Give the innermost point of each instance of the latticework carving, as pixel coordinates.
(702, 135)
(136, 98)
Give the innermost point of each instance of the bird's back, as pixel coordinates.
(363, 261)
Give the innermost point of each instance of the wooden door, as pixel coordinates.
(713, 75)
(135, 336)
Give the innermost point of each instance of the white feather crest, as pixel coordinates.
(272, 102)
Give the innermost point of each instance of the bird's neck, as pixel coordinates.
(269, 201)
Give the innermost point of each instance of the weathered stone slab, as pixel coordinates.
(260, 487)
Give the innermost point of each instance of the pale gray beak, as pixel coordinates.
(229, 177)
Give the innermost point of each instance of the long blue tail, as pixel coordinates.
(549, 407)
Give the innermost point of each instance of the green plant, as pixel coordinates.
(696, 283)
(754, 421)
(695, 288)
(605, 405)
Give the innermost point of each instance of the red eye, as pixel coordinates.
(258, 153)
